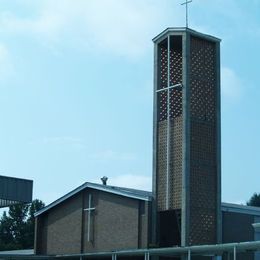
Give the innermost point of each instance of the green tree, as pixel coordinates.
(35, 206)
(254, 200)
(17, 228)
(6, 237)
(17, 214)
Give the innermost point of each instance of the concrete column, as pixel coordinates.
(189, 255)
(185, 215)
(147, 256)
(154, 232)
(218, 145)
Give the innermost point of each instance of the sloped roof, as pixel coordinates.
(142, 195)
(243, 209)
(126, 192)
(174, 30)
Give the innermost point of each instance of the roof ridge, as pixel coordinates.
(106, 188)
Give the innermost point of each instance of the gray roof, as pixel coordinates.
(243, 209)
(126, 192)
(17, 252)
(142, 195)
(180, 30)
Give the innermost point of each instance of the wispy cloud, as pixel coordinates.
(61, 141)
(46, 23)
(231, 84)
(110, 155)
(122, 27)
(6, 66)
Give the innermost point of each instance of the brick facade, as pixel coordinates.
(118, 222)
(237, 227)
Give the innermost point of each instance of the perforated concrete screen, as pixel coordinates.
(187, 134)
(174, 128)
(203, 164)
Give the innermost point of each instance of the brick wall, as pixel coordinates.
(116, 223)
(237, 227)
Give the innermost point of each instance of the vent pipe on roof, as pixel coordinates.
(104, 180)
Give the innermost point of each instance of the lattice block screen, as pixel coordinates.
(204, 230)
(176, 163)
(175, 60)
(176, 122)
(203, 173)
(175, 180)
(161, 165)
(175, 78)
(175, 104)
(203, 80)
(162, 64)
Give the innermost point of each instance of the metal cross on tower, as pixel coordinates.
(89, 210)
(186, 3)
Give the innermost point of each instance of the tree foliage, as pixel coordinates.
(254, 200)
(17, 227)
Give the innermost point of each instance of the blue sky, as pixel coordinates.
(76, 90)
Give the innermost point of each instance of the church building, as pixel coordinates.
(93, 218)
(100, 218)
(184, 208)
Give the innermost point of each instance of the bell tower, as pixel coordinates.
(186, 139)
